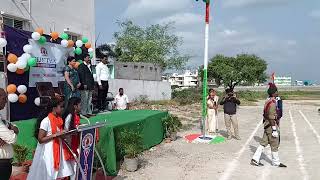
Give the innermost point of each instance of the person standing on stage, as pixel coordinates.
(87, 86)
(8, 136)
(230, 103)
(51, 157)
(102, 72)
(72, 82)
(271, 134)
(212, 118)
(121, 101)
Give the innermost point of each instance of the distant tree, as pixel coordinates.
(233, 71)
(106, 49)
(154, 44)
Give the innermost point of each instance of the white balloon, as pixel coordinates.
(12, 67)
(22, 89)
(35, 36)
(3, 42)
(13, 98)
(27, 48)
(64, 43)
(21, 64)
(79, 43)
(25, 57)
(37, 101)
(90, 50)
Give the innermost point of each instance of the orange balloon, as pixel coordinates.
(54, 35)
(20, 71)
(76, 65)
(22, 98)
(70, 43)
(88, 45)
(11, 88)
(12, 58)
(40, 31)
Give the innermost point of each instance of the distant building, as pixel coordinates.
(298, 83)
(303, 83)
(283, 81)
(187, 79)
(137, 71)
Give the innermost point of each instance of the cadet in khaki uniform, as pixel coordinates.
(271, 133)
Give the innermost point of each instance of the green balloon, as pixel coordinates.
(32, 62)
(42, 40)
(91, 55)
(80, 61)
(85, 40)
(64, 36)
(78, 51)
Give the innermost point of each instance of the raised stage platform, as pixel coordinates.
(148, 121)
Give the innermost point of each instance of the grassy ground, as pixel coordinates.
(247, 98)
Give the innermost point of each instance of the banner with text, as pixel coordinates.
(51, 60)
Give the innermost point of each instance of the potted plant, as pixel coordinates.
(131, 145)
(20, 156)
(172, 125)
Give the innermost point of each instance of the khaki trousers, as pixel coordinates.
(231, 120)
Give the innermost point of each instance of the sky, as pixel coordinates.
(283, 32)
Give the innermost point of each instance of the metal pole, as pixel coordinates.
(205, 71)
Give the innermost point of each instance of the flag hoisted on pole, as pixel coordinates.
(205, 71)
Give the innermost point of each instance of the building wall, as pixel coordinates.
(283, 81)
(137, 71)
(78, 16)
(154, 90)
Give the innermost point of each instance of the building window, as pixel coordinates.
(151, 68)
(74, 38)
(155, 69)
(125, 66)
(135, 67)
(19, 24)
(142, 67)
(1, 62)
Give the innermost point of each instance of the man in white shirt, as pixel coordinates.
(102, 72)
(121, 101)
(8, 136)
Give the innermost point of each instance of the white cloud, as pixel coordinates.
(243, 3)
(239, 20)
(315, 14)
(183, 19)
(144, 8)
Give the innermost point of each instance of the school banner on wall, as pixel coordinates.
(51, 60)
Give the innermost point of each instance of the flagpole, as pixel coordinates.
(205, 70)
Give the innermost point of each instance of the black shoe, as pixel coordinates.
(282, 165)
(255, 163)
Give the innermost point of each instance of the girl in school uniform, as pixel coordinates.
(212, 112)
(71, 120)
(49, 160)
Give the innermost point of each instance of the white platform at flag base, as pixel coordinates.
(204, 139)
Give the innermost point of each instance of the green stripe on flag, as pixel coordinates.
(217, 140)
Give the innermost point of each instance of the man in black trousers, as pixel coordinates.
(102, 72)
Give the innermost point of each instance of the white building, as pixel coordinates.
(187, 79)
(283, 81)
(74, 17)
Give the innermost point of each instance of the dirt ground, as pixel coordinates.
(179, 160)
